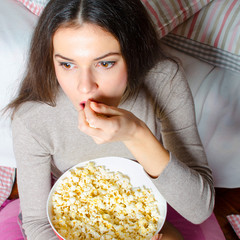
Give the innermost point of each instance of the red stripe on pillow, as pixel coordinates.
(233, 38)
(223, 22)
(193, 25)
(182, 9)
(204, 35)
(170, 13)
(155, 15)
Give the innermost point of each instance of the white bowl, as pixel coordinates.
(138, 178)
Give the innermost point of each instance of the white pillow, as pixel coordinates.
(217, 97)
(16, 27)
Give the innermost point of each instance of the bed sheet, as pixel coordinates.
(216, 93)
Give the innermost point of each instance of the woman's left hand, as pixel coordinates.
(106, 123)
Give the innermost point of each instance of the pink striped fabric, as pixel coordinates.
(234, 220)
(154, 15)
(208, 23)
(212, 34)
(7, 175)
(226, 17)
(35, 6)
(183, 10)
(216, 25)
(193, 24)
(168, 14)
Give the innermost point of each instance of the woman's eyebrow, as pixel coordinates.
(107, 55)
(68, 59)
(98, 58)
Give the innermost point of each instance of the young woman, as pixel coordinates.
(97, 84)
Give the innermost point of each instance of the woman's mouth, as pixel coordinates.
(83, 103)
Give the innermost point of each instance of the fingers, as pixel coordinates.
(90, 115)
(105, 123)
(157, 237)
(83, 123)
(103, 109)
(91, 123)
(98, 114)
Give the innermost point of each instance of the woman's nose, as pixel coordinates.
(86, 82)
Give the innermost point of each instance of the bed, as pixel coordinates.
(203, 34)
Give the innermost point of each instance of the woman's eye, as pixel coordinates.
(67, 66)
(105, 64)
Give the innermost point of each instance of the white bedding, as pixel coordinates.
(218, 116)
(15, 30)
(216, 92)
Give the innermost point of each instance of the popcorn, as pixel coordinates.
(94, 203)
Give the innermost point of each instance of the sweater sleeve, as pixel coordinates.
(186, 182)
(34, 182)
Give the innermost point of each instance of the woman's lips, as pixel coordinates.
(83, 103)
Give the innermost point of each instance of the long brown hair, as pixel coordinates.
(127, 20)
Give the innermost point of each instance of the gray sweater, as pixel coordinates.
(46, 139)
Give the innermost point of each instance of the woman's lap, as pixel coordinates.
(210, 229)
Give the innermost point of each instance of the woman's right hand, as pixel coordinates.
(106, 123)
(109, 124)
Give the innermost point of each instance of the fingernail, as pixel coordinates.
(160, 236)
(92, 103)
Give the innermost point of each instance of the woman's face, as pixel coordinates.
(89, 65)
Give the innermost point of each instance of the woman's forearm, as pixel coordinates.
(148, 151)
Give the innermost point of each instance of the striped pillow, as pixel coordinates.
(35, 6)
(7, 176)
(212, 34)
(168, 14)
